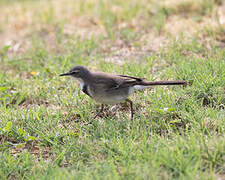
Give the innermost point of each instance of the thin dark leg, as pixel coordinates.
(102, 108)
(131, 108)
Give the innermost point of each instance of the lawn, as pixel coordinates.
(177, 132)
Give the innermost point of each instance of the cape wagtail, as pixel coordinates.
(108, 88)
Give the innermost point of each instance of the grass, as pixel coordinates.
(177, 132)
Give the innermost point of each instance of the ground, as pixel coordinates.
(177, 132)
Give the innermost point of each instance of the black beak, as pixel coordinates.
(65, 74)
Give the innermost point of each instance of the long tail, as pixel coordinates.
(157, 83)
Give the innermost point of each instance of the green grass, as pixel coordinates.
(42, 135)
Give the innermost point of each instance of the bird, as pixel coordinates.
(106, 88)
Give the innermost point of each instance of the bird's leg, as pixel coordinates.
(131, 108)
(102, 108)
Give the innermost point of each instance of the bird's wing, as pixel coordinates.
(131, 77)
(112, 82)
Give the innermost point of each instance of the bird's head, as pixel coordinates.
(77, 72)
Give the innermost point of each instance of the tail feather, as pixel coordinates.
(146, 84)
(157, 83)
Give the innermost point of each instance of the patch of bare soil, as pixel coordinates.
(34, 148)
(65, 19)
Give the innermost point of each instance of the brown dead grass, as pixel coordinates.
(35, 149)
(19, 22)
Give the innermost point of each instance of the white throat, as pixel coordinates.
(80, 81)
